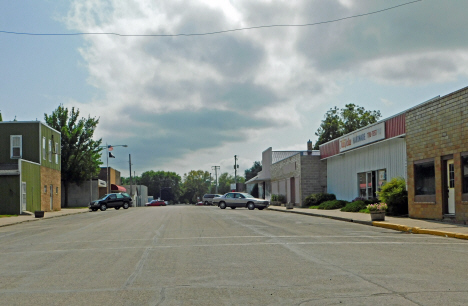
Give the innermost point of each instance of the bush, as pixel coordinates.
(335, 204)
(395, 195)
(318, 198)
(278, 198)
(354, 206)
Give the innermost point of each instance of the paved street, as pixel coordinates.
(188, 255)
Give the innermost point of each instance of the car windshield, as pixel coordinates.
(104, 197)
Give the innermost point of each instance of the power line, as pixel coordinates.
(211, 33)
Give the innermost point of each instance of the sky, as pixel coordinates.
(185, 103)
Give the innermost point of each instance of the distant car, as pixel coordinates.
(240, 199)
(208, 198)
(115, 200)
(200, 203)
(156, 203)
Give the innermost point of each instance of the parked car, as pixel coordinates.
(240, 199)
(156, 203)
(115, 200)
(199, 203)
(208, 198)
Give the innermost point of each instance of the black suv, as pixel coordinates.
(115, 200)
(208, 198)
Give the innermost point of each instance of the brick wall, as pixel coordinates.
(50, 177)
(438, 130)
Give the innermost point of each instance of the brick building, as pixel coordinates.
(437, 158)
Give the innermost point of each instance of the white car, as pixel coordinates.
(240, 199)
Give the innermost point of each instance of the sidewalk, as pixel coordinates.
(5, 221)
(415, 226)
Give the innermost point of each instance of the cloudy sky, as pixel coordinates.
(185, 103)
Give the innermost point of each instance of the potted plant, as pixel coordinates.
(377, 211)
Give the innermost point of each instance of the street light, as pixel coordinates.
(108, 146)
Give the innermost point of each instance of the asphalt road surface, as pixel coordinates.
(199, 255)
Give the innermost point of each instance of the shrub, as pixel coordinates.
(354, 206)
(334, 204)
(278, 198)
(274, 197)
(318, 198)
(395, 195)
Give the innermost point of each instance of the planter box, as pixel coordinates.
(377, 215)
(39, 214)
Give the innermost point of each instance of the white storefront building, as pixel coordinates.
(360, 162)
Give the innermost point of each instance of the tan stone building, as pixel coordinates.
(437, 158)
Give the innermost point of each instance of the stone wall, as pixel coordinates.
(438, 130)
(314, 175)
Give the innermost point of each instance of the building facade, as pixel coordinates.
(437, 148)
(298, 176)
(30, 167)
(359, 163)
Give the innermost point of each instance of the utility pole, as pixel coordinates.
(131, 181)
(216, 168)
(236, 166)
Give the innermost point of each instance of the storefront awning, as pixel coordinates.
(118, 188)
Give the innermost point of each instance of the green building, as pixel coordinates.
(29, 167)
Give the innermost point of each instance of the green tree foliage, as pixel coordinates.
(166, 184)
(341, 122)
(195, 184)
(395, 195)
(224, 182)
(253, 171)
(80, 154)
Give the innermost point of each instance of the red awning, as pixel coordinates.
(118, 188)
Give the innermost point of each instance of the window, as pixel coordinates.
(424, 178)
(50, 150)
(56, 190)
(43, 148)
(56, 153)
(16, 146)
(45, 188)
(465, 173)
(362, 185)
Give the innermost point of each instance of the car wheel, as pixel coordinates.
(117, 207)
(206, 203)
(232, 207)
(125, 206)
(103, 207)
(222, 205)
(261, 208)
(250, 206)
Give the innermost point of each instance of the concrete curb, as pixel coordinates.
(45, 218)
(393, 226)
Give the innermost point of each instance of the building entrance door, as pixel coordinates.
(51, 197)
(451, 187)
(293, 189)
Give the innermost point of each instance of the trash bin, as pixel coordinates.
(289, 205)
(39, 214)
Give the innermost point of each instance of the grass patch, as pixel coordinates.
(314, 207)
(6, 216)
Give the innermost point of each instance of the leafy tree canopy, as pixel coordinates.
(195, 184)
(253, 171)
(340, 122)
(80, 154)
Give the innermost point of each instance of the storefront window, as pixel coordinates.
(465, 173)
(382, 178)
(424, 178)
(362, 185)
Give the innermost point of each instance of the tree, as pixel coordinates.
(340, 122)
(161, 183)
(80, 154)
(196, 184)
(253, 171)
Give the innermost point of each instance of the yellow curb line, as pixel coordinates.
(417, 230)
